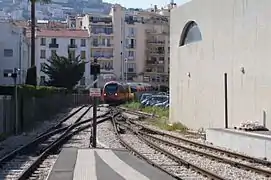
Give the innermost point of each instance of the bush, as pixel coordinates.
(32, 91)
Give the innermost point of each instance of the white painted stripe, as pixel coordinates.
(123, 169)
(85, 167)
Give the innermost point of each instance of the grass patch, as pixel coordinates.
(162, 113)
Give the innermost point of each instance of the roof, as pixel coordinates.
(76, 33)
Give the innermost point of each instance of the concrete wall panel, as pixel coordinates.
(236, 34)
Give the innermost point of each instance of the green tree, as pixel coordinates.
(64, 72)
(31, 77)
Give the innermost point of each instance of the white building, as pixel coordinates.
(64, 42)
(213, 37)
(14, 52)
(132, 44)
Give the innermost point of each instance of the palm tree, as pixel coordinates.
(33, 25)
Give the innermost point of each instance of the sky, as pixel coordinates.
(144, 3)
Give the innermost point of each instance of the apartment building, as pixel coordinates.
(100, 28)
(64, 42)
(131, 43)
(14, 52)
(144, 43)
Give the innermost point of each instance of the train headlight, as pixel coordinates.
(116, 94)
(104, 94)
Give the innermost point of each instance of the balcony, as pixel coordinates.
(102, 45)
(102, 57)
(130, 46)
(72, 46)
(53, 45)
(155, 42)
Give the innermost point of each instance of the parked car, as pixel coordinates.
(145, 96)
(155, 99)
(162, 104)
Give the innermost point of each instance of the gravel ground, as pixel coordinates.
(106, 136)
(14, 142)
(176, 141)
(43, 171)
(222, 169)
(178, 134)
(160, 158)
(80, 140)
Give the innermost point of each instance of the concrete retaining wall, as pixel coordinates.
(253, 144)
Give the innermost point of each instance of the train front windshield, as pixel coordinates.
(111, 88)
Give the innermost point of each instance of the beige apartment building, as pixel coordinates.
(131, 43)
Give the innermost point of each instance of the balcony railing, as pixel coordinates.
(102, 56)
(72, 46)
(130, 46)
(102, 45)
(52, 45)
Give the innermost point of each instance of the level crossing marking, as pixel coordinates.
(85, 167)
(119, 166)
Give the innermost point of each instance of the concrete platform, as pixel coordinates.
(103, 164)
(256, 144)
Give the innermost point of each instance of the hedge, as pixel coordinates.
(32, 91)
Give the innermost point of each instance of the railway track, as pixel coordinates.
(180, 147)
(163, 159)
(143, 115)
(20, 163)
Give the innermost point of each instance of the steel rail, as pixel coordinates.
(63, 119)
(59, 142)
(211, 156)
(205, 146)
(138, 154)
(185, 163)
(36, 141)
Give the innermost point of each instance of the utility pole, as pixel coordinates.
(95, 70)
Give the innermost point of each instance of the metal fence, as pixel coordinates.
(33, 110)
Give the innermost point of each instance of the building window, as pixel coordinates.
(131, 31)
(191, 33)
(42, 66)
(130, 67)
(95, 42)
(53, 53)
(72, 41)
(108, 42)
(82, 81)
(71, 54)
(42, 80)
(83, 55)
(53, 40)
(43, 41)
(7, 71)
(42, 54)
(131, 53)
(130, 43)
(8, 52)
(83, 42)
